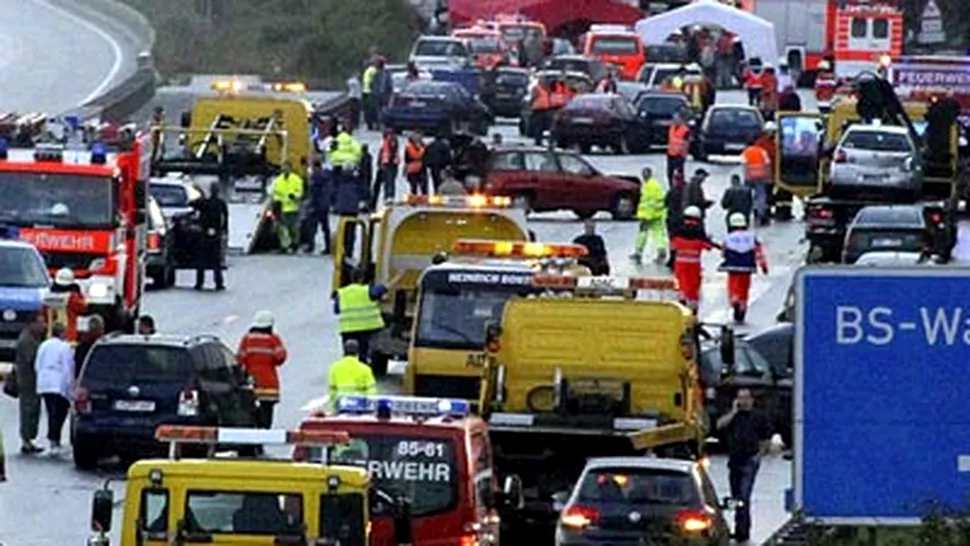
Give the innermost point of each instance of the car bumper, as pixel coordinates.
(894, 182)
(113, 433)
(723, 145)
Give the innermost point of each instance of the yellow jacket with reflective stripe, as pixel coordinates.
(347, 152)
(350, 376)
(286, 185)
(358, 312)
(651, 205)
(367, 85)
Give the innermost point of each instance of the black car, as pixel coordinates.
(160, 265)
(763, 362)
(658, 109)
(886, 228)
(642, 501)
(727, 130)
(601, 119)
(131, 384)
(505, 95)
(436, 107)
(595, 69)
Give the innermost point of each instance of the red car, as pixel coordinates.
(539, 180)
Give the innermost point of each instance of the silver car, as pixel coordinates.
(440, 52)
(873, 158)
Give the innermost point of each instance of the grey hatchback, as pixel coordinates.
(876, 159)
(895, 228)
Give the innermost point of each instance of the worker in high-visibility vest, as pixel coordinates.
(388, 161)
(287, 197)
(678, 145)
(652, 214)
(358, 308)
(350, 376)
(414, 167)
(757, 175)
(64, 304)
(743, 256)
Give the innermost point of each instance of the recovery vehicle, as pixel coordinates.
(589, 368)
(395, 244)
(431, 451)
(78, 194)
(459, 297)
(232, 500)
(805, 142)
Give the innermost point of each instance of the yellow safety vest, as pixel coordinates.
(347, 152)
(367, 85)
(283, 187)
(349, 376)
(358, 313)
(651, 206)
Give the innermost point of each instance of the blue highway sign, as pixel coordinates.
(882, 393)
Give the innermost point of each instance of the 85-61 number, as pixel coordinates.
(414, 449)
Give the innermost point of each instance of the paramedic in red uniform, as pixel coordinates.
(825, 85)
(689, 244)
(743, 256)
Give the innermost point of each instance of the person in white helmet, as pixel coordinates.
(689, 245)
(784, 75)
(743, 256)
(261, 351)
(65, 303)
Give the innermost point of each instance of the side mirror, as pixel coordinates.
(559, 500)
(726, 345)
(492, 334)
(512, 492)
(403, 533)
(102, 507)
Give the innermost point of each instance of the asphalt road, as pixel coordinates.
(42, 42)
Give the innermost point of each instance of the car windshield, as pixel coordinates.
(440, 48)
(61, 200)
(422, 469)
(735, 118)
(244, 512)
(875, 141)
(638, 486)
(513, 78)
(660, 75)
(21, 266)
(661, 106)
(457, 319)
(486, 45)
(122, 364)
(170, 195)
(568, 65)
(614, 45)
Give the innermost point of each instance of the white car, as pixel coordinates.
(881, 258)
(441, 51)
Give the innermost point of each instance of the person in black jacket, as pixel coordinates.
(597, 260)
(674, 202)
(321, 192)
(214, 222)
(366, 171)
(437, 158)
(737, 198)
(789, 100)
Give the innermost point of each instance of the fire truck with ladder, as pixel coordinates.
(77, 192)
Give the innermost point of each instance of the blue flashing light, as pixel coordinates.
(9, 232)
(99, 154)
(4, 146)
(73, 122)
(403, 405)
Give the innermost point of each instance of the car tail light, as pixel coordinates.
(82, 401)
(469, 540)
(841, 157)
(154, 241)
(189, 402)
(936, 217)
(579, 517)
(694, 521)
(822, 214)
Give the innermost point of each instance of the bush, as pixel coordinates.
(321, 42)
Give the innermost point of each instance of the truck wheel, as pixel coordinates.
(378, 364)
(624, 208)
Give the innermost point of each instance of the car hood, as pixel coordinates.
(21, 298)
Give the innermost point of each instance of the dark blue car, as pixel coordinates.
(131, 384)
(434, 106)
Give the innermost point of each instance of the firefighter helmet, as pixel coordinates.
(692, 212)
(64, 277)
(263, 319)
(771, 127)
(824, 65)
(737, 220)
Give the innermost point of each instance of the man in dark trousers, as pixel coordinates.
(737, 198)
(348, 194)
(749, 440)
(674, 202)
(597, 260)
(26, 379)
(214, 222)
(366, 171)
(321, 192)
(437, 158)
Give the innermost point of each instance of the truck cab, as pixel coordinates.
(616, 45)
(394, 245)
(459, 297)
(554, 394)
(238, 501)
(431, 451)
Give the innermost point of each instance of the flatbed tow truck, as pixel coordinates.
(399, 241)
(805, 142)
(555, 394)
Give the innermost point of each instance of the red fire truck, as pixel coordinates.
(79, 194)
(432, 452)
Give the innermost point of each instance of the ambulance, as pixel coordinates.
(430, 451)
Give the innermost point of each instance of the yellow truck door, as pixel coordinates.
(799, 165)
(351, 250)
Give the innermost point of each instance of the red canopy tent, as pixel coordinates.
(554, 14)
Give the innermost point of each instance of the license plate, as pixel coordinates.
(418, 104)
(734, 147)
(583, 120)
(135, 405)
(884, 243)
(873, 176)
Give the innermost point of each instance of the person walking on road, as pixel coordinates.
(261, 351)
(437, 158)
(349, 193)
(287, 195)
(652, 214)
(678, 145)
(26, 377)
(743, 256)
(54, 365)
(321, 193)
(214, 221)
(674, 204)
(414, 164)
(757, 175)
(357, 306)
(749, 440)
(388, 162)
(349, 375)
(689, 243)
(737, 200)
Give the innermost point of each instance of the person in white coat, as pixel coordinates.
(55, 382)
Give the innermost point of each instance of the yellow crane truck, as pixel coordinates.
(395, 244)
(589, 368)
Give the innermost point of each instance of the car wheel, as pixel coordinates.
(585, 149)
(523, 201)
(624, 207)
(584, 214)
(85, 453)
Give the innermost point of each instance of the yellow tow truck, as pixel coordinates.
(458, 297)
(589, 368)
(395, 244)
(242, 501)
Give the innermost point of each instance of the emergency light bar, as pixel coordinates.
(476, 201)
(603, 284)
(517, 249)
(403, 405)
(227, 86)
(248, 436)
(288, 87)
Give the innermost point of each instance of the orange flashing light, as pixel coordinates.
(224, 435)
(517, 249)
(290, 87)
(474, 201)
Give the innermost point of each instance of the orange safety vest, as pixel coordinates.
(756, 163)
(541, 99)
(559, 97)
(414, 157)
(260, 354)
(677, 144)
(825, 86)
(66, 313)
(388, 154)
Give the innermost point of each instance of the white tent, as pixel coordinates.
(757, 34)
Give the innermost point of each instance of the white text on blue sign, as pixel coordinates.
(937, 326)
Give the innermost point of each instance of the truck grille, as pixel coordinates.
(71, 260)
(445, 386)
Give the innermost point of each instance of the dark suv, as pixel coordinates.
(131, 384)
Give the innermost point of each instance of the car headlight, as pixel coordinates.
(98, 290)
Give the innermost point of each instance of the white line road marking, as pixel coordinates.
(115, 47)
